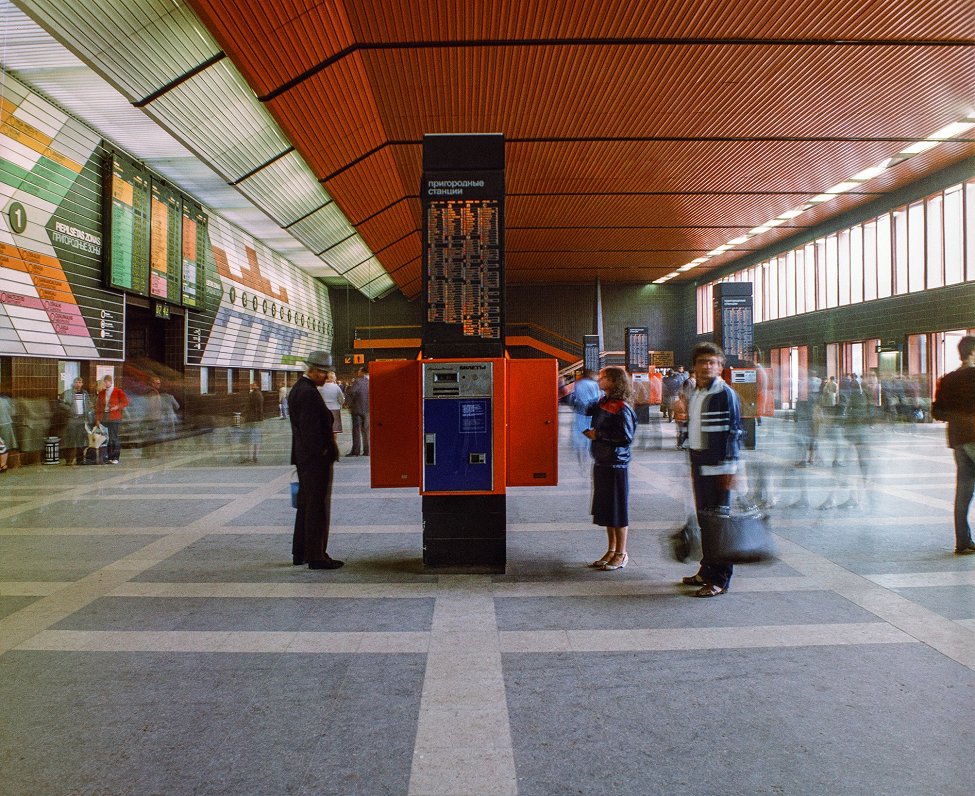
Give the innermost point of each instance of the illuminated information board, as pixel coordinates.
(637, 348)
(462, 193)
(464, 261)
(195, 241)
(733, 322)
(127, 254)
(165, 244)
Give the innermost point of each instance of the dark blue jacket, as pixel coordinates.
(615, 425)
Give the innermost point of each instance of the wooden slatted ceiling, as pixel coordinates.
(356, 103)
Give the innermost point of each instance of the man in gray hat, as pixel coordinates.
(314, 453)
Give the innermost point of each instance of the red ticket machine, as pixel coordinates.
(462, 431)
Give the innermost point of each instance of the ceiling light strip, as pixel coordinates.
(948, 134)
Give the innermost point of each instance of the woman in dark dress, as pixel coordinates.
(612, 431)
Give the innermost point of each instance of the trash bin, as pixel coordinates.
(237, 416)
(52, 450)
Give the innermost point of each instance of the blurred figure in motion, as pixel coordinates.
(954, 403)
(253, 416)
(586, 392)
(80, 411)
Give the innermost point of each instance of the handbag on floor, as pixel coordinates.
(294, 489)
(737, 536)
(685, 545)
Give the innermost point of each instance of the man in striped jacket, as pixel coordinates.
(713, 434)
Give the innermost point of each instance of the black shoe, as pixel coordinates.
(352, 454)
(693, 580)
(328, 563)
(965, 551)
(298, 562)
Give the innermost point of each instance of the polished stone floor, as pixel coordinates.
(155, 639)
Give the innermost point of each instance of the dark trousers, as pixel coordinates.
(360, 435)
(114, 438)
(964, 488)
(708, 494)
(310, 539)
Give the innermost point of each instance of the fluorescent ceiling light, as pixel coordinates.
(721, 249)
(789, 214)
(919, 147)
(951, 130)
(760, 230)
(697, 260)
(823, 197)
(873, 171)
(737, 241)
(842, 187)
(687, 267)
(775, 222)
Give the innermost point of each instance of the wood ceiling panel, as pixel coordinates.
(738, 91)
(713, 90)
(333, 119)
(370, 185)
(652, 239)
(388, 226)
(435, 20)
(272, 42)
(647, 166)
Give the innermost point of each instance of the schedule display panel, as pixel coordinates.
(165, 244)
(464, 275)
(195, 241)
(126, 258)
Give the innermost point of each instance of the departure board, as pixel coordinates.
(464, 266)
(462, 193)
(127, 254)
(590, 352)
(195, 243)
(733, 321)
(165, 243)
(637, 349)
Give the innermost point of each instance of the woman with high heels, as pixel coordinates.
(612, 431)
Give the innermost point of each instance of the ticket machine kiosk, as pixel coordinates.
(462, 431)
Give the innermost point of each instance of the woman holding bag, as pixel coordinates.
(612, 432)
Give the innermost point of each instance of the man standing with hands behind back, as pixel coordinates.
(954, 402)
(314, 453)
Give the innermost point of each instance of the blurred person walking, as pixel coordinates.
(109, 406)
(954, 402)
(357, 399)
(585, 393)
(80, 411)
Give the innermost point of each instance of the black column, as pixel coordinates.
(462, 193)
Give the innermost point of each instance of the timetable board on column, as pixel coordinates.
(463, 223)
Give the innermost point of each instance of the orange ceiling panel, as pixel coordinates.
(388, 226)
(639, 133)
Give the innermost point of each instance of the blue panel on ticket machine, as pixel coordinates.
(457, 426)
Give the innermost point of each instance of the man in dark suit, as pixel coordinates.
(314, 453)
(954, 402)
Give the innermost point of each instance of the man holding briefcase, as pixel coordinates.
(713, 434)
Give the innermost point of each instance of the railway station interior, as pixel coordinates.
(198, 195)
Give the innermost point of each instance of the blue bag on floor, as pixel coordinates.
(294, 490)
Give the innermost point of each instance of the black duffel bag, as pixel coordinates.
(739, 536)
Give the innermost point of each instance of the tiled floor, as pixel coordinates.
(155, 639)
